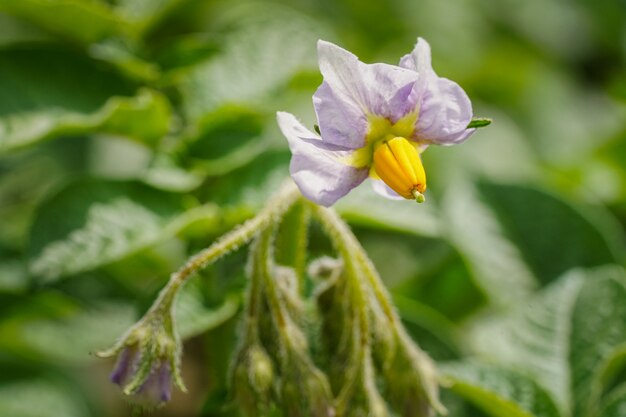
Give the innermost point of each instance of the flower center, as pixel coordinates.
(398, 164)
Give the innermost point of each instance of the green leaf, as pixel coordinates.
(192, 315)
(23, 185)
(499, 392)
(14, 30)
(249, 186)
(267, 48)
(13, 276)
(594, 337)
(83, 21)
(615, 404)
(51, 92)
(564, 337)
(44, 328)
(494, 261)
(364, 207)
(92, 223)
(40, 398)
(145, 14)
(580, 236)
(224, 140)
(125, 60)
(438, 336)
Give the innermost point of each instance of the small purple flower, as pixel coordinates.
(148, 361)
(155, 389)
(374, 121)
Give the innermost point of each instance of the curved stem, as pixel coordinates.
(347, 245)
(349, 248)
(277, 206)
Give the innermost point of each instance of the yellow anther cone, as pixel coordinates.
(399, 165)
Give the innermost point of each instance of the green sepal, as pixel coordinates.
(479, 122)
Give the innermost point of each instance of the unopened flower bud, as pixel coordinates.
(252, 378)
(362, 399)
(148, 361)
(304, 389)
(287, 281)
(413, 385)
(325, 268)
(384, 340)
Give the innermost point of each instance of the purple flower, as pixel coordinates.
(155, 389)
(148, 360)
(374, 121)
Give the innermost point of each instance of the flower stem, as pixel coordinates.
(346, 244)
(349, 248)
(264, 259)
(277, 206)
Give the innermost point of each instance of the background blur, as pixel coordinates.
(134, 132)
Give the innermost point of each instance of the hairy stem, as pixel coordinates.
(277, 206)
(350, 250)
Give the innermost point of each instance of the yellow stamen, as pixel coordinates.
(398, 164)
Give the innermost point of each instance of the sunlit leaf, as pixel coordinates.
(52, 92)
(498, 391)
(557, 341)
(92, 223)
(256, 59)
(144, 14)
(84, 21)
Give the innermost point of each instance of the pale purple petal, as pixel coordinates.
(445, 112)
(316, 166)
(157, 388)
(419, 59)
(125, 367)
(445, 109)
(384, 190)
(353, 90)
(341, 121)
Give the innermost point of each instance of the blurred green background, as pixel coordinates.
(134, 132)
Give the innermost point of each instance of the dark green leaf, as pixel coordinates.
(494, 261)
(579, 236)
(193, 317)
(52, 92)
(615, 404)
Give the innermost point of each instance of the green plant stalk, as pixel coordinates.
(263, 259)
(251, 329)
(346, 244)
(356, 258)
(277, 206)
